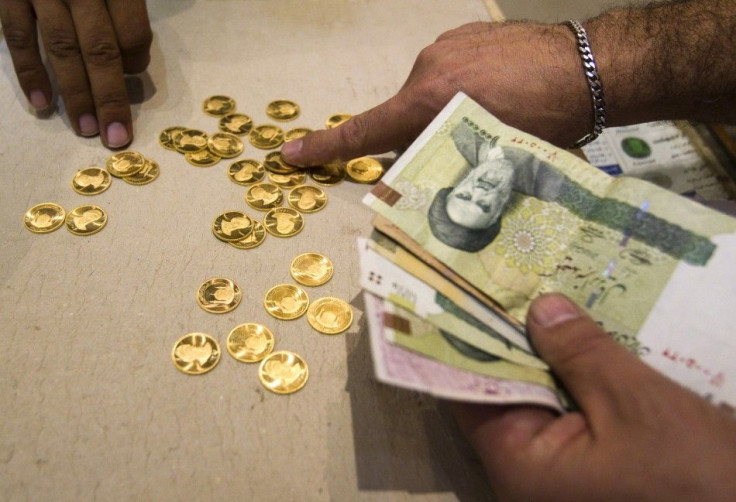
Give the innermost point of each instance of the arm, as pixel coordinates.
(674, 60)
(90, 44)
(665, 61)
(637, 436)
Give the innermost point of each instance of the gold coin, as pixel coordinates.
(276, 164)
(254, 239)
(264, 196)
(283, 372)
(283, 222)
(232, 226)
(202, 158)
(224, 144)
(364, 170)
(91, 181)
(167, 136)
(297, 132)
(86, 220)
(190, 141)
(250, 342)
(282, 110)
(266, 136)
(337, 119)
(125, 163)
(219, 295)
(288, 180)
(246, 172)
(329, 174)
(149, 173)
(311, 269)
(330, 315)
(195, 353)
(286, 301)
(44, 218)
(218, 106)
(307, 199)
(236, 123)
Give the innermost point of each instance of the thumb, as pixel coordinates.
(600, 374)
(386, 127)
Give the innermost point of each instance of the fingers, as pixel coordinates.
(386, 127)
(515, 442)
(601, 375)
(19, 29)
(87, 55)
(62, 47)
(498, 428)
(104, 69)
(133, 30)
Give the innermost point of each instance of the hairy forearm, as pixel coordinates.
(671, 60)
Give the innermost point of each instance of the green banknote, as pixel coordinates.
(516, 217)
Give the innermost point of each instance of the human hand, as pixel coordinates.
(90, 45)
(528, 75)
(638, 435)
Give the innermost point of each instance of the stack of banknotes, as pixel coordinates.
(477, 218)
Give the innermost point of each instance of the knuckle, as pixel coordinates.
(19, 40)
(353, 133)
(136, 42)
(102, 53)
(427, 54)
(62, 45)
(28, 71)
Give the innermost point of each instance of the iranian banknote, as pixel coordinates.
(405, 368)
(516, 217)
(430, 296)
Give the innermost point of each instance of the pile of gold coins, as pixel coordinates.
(88, 219)
(281, 372)
(204, 150)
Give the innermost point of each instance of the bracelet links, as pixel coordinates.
(594, 83)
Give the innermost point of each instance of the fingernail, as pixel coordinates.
(117, 135)
(38, 99)
(291, 148)
(88, 125)
(551, 310)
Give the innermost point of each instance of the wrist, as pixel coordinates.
(667, 61)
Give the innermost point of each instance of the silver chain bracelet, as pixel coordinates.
(594, 83)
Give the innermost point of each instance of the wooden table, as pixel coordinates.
(93, 407)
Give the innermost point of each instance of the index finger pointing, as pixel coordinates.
(381, 129)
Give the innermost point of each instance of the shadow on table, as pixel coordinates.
(404, 440)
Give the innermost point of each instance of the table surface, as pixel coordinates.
(92, 404)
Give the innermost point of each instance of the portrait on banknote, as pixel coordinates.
(468, 216)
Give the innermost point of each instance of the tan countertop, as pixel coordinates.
(93, 408)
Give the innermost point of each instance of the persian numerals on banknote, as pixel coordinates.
(516, 217)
